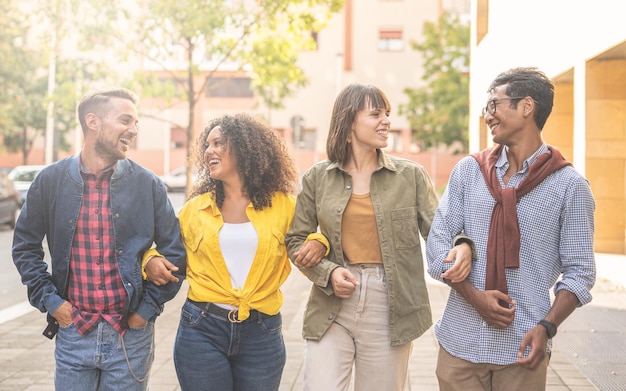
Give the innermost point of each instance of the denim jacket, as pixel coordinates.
(142, 216)
(404, 204)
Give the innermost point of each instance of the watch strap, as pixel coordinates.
(550, 327)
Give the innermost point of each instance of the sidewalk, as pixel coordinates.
(27, 362)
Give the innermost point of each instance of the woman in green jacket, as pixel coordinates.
(369, 298)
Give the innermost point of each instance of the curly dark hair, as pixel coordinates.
(263, 161)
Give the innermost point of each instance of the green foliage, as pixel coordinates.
(184, 42)
(439, 111)
(262, 38)
(191, 40)
(20, 98)
(24, 71)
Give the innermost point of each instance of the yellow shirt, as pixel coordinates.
(207, 274)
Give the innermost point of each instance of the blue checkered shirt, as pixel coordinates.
(556, 224)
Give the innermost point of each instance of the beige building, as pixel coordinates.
(581, 45)
(369, 41)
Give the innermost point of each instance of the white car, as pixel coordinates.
(176, 180)
(23, 176)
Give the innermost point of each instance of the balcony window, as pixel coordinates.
(390, 40)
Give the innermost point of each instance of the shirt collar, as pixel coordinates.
(106, 172)
(503, 160)
(383, 162)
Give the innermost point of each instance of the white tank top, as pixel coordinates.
(238, 243)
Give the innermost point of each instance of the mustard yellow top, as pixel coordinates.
(359, 232)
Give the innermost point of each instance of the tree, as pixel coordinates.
(66, 22)
(439, 111)
(24, 73)
(260, 38)
(21, 97)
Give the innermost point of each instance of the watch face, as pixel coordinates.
(550, 327)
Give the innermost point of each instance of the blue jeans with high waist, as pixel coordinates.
(213, 353)
(103, 359)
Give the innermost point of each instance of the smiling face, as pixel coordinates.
(116, 128)
(371, 128)
(222, 164)
(507, 122)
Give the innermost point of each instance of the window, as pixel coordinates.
(178, 138)
(229, 87)
(390, 40)
(394, 141)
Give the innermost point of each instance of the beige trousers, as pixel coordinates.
(456, 374)
(358, 339)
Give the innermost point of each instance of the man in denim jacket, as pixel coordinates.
(99, 212)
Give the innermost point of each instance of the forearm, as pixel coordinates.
(564, 304)
(466, 289)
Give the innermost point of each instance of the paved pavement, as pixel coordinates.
(589, 351)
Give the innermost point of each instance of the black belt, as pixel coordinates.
(230, 315)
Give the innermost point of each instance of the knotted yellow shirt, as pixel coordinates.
(207, 274)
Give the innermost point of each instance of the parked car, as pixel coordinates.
(23, 176)
(10, 200)
(176, 180)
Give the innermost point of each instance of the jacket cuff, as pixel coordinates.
(52, 303)
(147, 312)
(147, 256)
(320, 238)
(462, 238)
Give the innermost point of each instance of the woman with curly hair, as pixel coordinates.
(233, 227)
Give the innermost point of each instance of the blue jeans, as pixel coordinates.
(103, 359)
(211, 353)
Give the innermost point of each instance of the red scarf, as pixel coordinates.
(503, 243)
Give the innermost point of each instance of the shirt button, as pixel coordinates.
(330, 316)
(338, 210)
(348, 187)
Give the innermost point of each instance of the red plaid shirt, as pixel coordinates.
(95, 287)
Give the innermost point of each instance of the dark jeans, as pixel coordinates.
(212, 353)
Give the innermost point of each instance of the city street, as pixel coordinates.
(12, 291)
(589, 350)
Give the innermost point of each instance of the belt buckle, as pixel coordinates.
(233, 316)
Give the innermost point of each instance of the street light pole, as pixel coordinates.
(49, 143)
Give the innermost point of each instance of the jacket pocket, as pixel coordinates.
(405, 228)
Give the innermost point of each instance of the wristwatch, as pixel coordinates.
(550, 327)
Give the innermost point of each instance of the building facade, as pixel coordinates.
(582, 47)
(369, 41)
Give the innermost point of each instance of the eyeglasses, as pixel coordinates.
(491, 105)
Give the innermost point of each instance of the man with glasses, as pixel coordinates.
(531, 215)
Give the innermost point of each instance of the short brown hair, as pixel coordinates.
(97, 99)
(350, 101)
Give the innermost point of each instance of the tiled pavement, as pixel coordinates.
(26, 357)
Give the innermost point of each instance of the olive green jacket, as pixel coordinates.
(404, 204)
